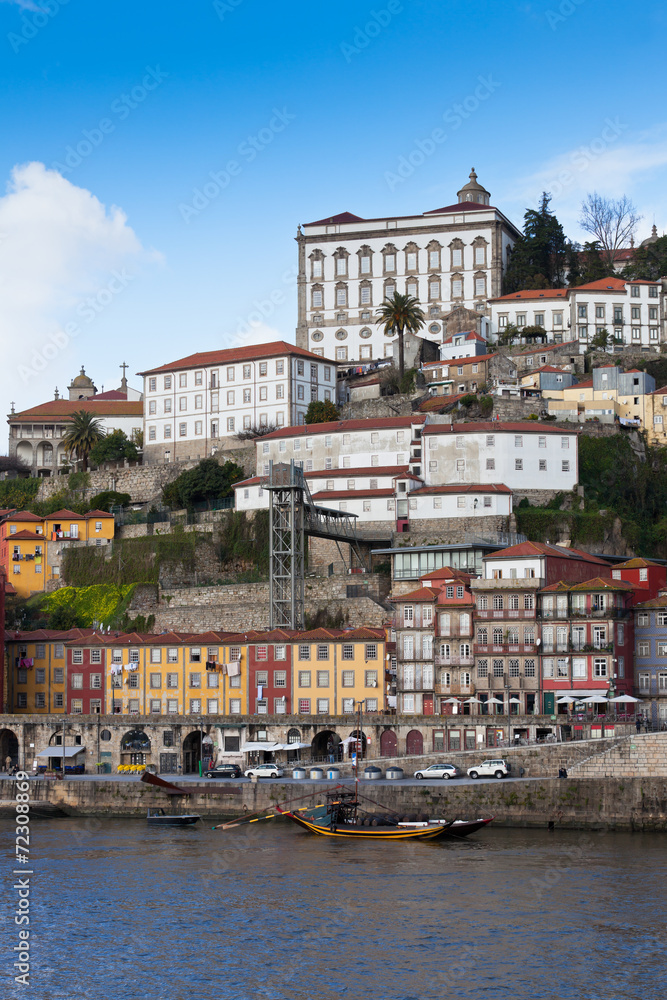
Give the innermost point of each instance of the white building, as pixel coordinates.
(193, 407)
(449, 257)
(463, 345)
(631, 311)
(443, 470)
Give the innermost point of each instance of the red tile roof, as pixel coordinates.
(637, 563)
(602, 284)
(63, 513)
(371, 471)
(335, 426)
(533, 293)
(528, 549)
(24, 515)
(597, 583)
(468, 336)
(345, 494)
(462, 206)
(110, 394)
(438, 402)
(62, 409)
(97, 514)
(461, 488)
(446, 573)
(26, 536)
(336, 219)
(278, 348)
(426, 594)
(550, 368)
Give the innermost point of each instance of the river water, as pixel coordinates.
(123, 912)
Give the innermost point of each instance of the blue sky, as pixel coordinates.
(315, 107)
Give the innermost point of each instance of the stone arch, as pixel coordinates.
(326, 743)
(414, 743)
(24, 451)
(9, 747)
(195, 749)
(360, 737)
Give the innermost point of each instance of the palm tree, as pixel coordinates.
(84, 433)
(398, 314)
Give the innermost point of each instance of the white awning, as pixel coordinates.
(260, 745)
(600, 694)
(58, 751)
(293, 746)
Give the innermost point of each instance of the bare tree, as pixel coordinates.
(611, 222)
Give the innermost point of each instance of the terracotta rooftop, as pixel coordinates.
(495, 426)
(62, 409)
(337, 426)
(528, 549)
(258, 352)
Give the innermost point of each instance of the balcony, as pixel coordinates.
(454, 661)
(454, 633)
(466, 690)
(509, 613)
(505, 647)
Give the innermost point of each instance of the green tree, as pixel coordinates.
(206, 482)
(84, 432)
(108, 499)
(321, 412)
(539, 256)
(114, 447)
(509, 335)
(602, 340)
(649, 262)
(398, 314)
(533, 333)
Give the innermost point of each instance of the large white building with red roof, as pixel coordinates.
(447, 257)
(36, 434)
(632, 312)
(418, 468)
(195, 406)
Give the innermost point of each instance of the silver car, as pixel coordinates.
(439, 771)
(265, 771)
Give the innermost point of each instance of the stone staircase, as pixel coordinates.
(638, 756)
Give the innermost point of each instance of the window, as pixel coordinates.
(323, 678)
(77, 680)
(323, 652)
(95, 681)
(565, 466)
(304, 678)
(183, 430)
(518, 464)
(498, 668)
(280, 678)
(304, 706)
(599, 667)
(212, 680)
(348, 651)
(490, 463)
(152, 384)
(167, 381)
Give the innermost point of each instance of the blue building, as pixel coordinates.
(651, 658)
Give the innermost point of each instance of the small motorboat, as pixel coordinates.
(158, 817)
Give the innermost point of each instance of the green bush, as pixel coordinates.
(486, 405)
(18, 493)
(468, 401)
(108, 499)
(207, 481)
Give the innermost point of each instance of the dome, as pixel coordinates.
(650, 239)
(472, 191)
(82, 381)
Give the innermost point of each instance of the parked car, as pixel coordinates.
(224, 771)
(490, 769)
(265, 771)
(439, 771)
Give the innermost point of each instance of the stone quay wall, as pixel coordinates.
(608, 804)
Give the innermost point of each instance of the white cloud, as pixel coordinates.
(60, 248)
(608, 163)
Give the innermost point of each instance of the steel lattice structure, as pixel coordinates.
(287, 487)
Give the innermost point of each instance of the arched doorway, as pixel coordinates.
(388, 744)
(196, 749)
(9, 747)
(414, 743)
(293, 737)
(360, 744)
(135, 748)
(327, 745)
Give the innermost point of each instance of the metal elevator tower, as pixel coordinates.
(286, 486)
(292, 516)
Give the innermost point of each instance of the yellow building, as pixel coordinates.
(334, 670)
(31, 547)
(656, 417)
(37, 669)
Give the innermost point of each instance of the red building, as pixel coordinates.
(648, 577)
(270, 672)
(587, 641)
(542, 561)
(86, 685)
